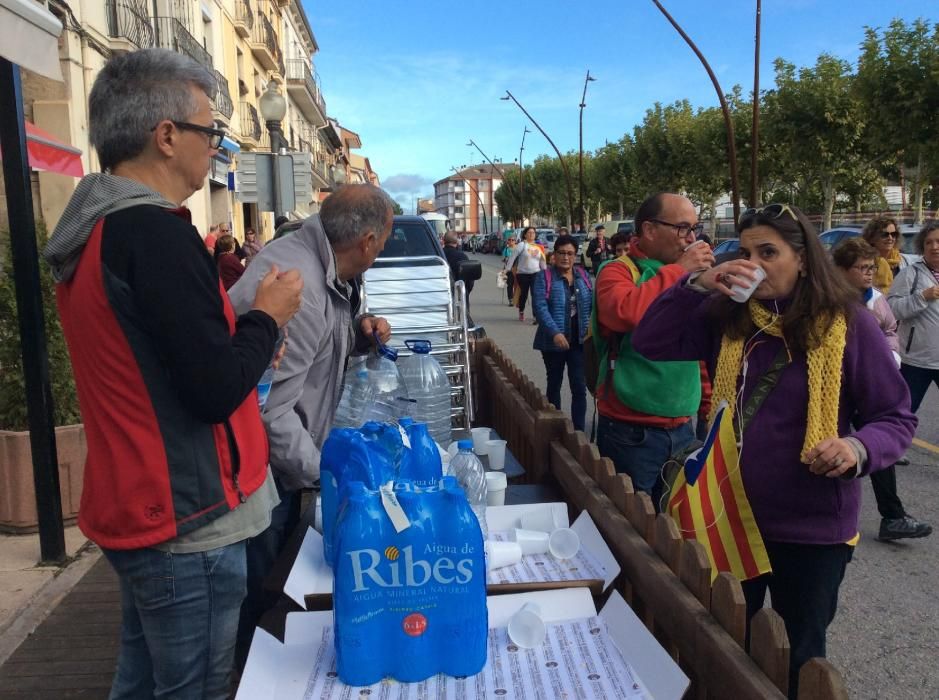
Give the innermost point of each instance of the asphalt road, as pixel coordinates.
(886, 633)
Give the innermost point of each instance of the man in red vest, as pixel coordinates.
(176, 478)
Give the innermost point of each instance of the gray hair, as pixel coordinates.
(451, 238)
(136, 91)
(352, 211)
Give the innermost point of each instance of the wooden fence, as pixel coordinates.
(665, 578)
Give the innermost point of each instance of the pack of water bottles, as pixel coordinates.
(409, 577)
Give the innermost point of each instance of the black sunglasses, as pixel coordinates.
(215, 135)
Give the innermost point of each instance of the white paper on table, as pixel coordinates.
(591, 538)
(509, 517)
(281, 671)
(577, 660)
(544, 568)
(310, 572)
(662, 676)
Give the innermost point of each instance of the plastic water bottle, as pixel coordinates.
(471, 476)
(267, 379)
(428, 389)
(356, 396)
(389, 397)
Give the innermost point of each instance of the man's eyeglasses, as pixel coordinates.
(683, 230)
(215, 135)
(864, 269)
(889, 234)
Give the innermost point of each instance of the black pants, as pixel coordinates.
(510, 285)
(524, 282)
(918, 379)
(804, 591)
(889, 504)
(554, 363)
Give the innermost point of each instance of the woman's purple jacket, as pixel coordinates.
(789, 502)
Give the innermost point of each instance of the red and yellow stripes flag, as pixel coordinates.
(710, 505)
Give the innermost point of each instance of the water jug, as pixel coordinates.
(389, 397)
(356, 396)
(428, 390)
(411, 602)
(471, 476)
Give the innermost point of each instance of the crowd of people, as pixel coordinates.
(191, 488)
(823, 369)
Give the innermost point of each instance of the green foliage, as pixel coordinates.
(12, 383)
(396, 208)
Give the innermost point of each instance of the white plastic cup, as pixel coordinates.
(495, 488)
(480, 438)
(564, 543)
(531, 541)
(499, 554)
(526, 627)
(496, 451)
(743, 292)
(542, 519)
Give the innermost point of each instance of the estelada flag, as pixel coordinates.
(710, 505)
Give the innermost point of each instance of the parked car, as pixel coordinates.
(834, 236)
(726, 250)
(492, 243)
(546, 237)
(613, 227)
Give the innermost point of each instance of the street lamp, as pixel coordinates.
(567, 172)
(521, 177)
(273, 107)
(583, 103)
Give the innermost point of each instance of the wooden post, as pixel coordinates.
(769, 647)
(729, 607)
(820, 680)
(696, 571)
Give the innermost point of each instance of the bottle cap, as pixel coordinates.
(465, 445)
(421, 347)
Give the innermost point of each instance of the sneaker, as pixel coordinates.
(902, 462)
(521, 316)
(534, 322)
(906, 527)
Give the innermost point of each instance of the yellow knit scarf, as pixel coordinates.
(824, 374)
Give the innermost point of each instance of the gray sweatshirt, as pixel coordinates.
(299, 412)
(919, 319)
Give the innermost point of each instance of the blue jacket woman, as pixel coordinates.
(562, 298)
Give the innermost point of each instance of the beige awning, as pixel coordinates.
(29, 36)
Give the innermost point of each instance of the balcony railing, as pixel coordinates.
(223, 103)
(265, 35)
(244, 14)
(299, 69)
(129, 20)
(250, 123)
(171, 34)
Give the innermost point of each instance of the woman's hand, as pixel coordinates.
(724, 276)
(560, 341)
(931, 293)
(831, 457)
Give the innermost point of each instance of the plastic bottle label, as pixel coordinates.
(393, 508)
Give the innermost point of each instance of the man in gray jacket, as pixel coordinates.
(329, 250)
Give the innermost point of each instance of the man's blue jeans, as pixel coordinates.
(180, 616)
(641, 451)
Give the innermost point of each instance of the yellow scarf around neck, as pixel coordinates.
(824, 373)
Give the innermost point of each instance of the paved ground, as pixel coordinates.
(887, 629)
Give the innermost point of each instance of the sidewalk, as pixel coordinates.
(28, 592)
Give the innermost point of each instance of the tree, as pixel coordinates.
(396, 208)
(817, 117)
(897, 82)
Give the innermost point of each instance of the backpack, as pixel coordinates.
(599, 352)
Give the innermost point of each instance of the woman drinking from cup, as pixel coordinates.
(831, 407)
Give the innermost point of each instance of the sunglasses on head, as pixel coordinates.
(771, 211)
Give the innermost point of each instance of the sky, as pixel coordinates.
(417, 80)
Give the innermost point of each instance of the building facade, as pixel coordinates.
(466, 198)
(246, 44)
